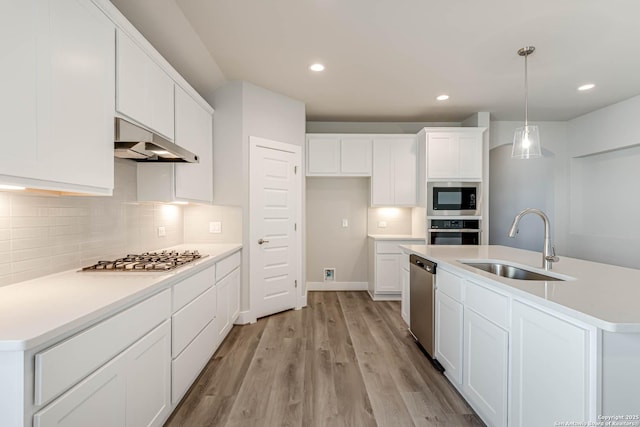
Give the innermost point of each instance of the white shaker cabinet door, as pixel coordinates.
(144, 90)
(382, 176)
(405, 301)
(58, 96)
(550, 369)
(485, 371)
(355, 156)
(405, 165)
(149, 379)
(323, 156)
(470, 156)
(449, 336)
(194, 131)
(388, 274)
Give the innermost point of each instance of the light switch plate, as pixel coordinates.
(345, 222)
(215, 227)
(382, 224)
(162, 232)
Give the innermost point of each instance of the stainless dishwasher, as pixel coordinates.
(422, 302)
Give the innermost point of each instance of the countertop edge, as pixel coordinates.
(96, 316)
(526, 296)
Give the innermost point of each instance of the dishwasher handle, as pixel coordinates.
(422, 263)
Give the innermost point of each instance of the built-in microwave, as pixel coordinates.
(453, 198)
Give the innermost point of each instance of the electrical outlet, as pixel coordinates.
(329, 274)
(215, 227)
(382, 224)
(345, 223)
(162, 232)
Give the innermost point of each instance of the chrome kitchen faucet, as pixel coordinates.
(548, 251)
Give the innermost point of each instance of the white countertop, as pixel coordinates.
(602, 295)
(395, 237)
(38, 310)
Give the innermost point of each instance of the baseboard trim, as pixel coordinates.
(244, 318)
(337, 286)
(385, 297)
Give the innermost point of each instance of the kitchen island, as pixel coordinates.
(537, 352)
(78, 346)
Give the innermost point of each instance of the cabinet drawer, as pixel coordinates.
(193, 286)
(393, 247)
(490, 304)
(449, 284)
(227, 265)
(186, 367)
(191, 319)
(60, 367)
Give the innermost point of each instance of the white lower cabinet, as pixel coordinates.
(388, 273)
(550, 369)
(486, 353)
(228, 302)
(386, 262)
(404, 303)
(131, 390)
(449, 335)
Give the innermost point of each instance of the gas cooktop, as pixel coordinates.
(148, 261)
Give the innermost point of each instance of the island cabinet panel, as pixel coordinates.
(485, 372)
(405, 301)
(449, 336)
(550, 369)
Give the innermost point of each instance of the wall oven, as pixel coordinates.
(454, 232)
(453, 198)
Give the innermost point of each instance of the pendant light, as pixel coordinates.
(526, 140)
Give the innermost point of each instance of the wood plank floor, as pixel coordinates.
(342, 361)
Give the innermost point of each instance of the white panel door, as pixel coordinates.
(404, 175)
(449, 336)
(550, 369)
(275, 186)
(355, 156)
(486, 348)
(194, 181)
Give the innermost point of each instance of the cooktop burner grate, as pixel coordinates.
(148, 261)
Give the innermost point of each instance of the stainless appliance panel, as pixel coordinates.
(422, 306)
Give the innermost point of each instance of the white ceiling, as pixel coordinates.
(389, 59)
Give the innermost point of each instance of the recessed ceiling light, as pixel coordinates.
(442, 97)
(10, 187)
(317, 67)
(587, 86)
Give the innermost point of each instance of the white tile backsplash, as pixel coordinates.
(40, 235)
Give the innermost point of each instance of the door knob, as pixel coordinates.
(261, 241)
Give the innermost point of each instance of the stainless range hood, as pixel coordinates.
(135, 143)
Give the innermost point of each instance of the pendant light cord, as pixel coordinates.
(526, 93)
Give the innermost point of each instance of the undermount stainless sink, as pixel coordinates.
(510, 271)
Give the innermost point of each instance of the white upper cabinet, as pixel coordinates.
(338, 156)
(183, 182)
(58, 76)
(194, 131)
(393, 179)
(454, 155)
(144, 91)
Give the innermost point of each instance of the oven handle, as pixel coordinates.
(454, 230)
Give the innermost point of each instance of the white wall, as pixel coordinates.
(373, 127)
(41, 235)
(535, 183)
(605, 172)
(243, 110)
